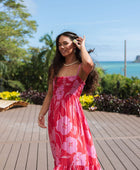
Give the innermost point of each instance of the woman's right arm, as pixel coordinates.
(45, 106)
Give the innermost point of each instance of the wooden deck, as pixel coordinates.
(25, 146)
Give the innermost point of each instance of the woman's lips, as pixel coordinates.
(63, 51)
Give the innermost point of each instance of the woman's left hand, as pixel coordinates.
(80, 42)
(41, 121)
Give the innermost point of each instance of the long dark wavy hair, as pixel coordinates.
(59, 60)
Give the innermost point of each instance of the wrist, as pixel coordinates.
(83, 48)
(41, 114)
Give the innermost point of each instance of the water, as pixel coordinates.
(117, 67)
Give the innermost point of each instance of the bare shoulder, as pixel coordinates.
(84, 71)
(87, 67)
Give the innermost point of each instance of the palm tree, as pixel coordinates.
(37, 70)
(48, 51)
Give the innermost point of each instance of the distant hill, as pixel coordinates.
(137, 59)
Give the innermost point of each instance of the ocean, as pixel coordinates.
(117, 67)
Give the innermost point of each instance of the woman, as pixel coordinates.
(70, 136)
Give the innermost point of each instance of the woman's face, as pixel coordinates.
(66, 46)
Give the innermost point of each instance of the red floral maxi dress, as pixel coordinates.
(70, 137)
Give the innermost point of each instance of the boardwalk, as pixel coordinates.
(25, 146)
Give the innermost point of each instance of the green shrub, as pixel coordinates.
(15, 85)
(119, 86)
(100, 71)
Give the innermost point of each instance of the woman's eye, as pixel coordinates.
(65, 43)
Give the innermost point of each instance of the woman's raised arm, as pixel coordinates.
(87, 63)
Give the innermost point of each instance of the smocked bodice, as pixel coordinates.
(67, 86)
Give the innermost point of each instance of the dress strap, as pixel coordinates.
(78, 69)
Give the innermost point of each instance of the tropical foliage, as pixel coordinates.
(33, 96)
(119, 86)
(111, 103)
(15, 29)
(35, 72)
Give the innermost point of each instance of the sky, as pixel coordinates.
(106, 24)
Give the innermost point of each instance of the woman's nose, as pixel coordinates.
(62, 46)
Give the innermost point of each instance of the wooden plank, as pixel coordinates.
(1, 146)
(50, 157)
(6, 122)
(111, 155)
(11, 162)
(105, 124)
(136, 142)
(109, 121)
(120, 124)
(130, 125)
(120, 155)
(129, 130)
(32, 156)
(2, 118)
(106, 132)
(29, 125)
(22, 157)
(42, 156)
(132, 147)
(23, 124)
(35, 132)
(132, 157)
(4, 155)
(8, 128)
(94, 125)
(16, 126)
(105, 162)
(135, 118)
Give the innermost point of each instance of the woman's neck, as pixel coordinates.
(70, 59)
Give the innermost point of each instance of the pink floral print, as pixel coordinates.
(91, 151)
(70, 145)
(79, 159)
(60, 92)
(70, 136)
(64, 125)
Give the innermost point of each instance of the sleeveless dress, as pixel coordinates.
(70, 137)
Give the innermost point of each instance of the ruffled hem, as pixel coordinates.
(92, 167)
